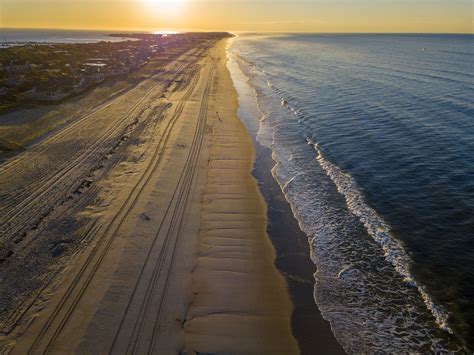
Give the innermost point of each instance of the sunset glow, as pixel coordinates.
(173, 173)
(165, 8)
(242, 15)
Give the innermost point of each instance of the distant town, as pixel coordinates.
(49, 73)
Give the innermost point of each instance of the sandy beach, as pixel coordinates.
(197, 177)
(240, 301)
(163, 247)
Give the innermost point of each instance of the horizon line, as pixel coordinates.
(149, 30)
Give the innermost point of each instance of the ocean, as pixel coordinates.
(373, 142)
(10, 36)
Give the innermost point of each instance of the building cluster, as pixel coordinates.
(50, 73)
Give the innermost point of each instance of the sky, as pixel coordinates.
(432, 16)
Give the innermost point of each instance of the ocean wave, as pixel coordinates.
(374, 304)
(361, 287)
(378, 229)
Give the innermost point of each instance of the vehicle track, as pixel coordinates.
(59, 176)
(179, 199)
(187, 194)
(68, 175)
(73, 125)
(76, 290)
(10, 200)
(150, 127)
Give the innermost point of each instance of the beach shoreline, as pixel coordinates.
(363, 261)
(294, 262)
(240, 300)
(177, 256)
(291, 245)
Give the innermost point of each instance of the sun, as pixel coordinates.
(166, 7)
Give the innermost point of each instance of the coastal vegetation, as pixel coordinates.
(32, 73)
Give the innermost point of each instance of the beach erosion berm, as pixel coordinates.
(174, 254)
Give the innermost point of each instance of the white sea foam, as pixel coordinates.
(378, 229)
(347, 295)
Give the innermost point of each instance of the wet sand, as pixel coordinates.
(294, 262)
(174, 253)
(240, 302)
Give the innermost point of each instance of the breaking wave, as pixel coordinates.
(378, 229)
(363, 284)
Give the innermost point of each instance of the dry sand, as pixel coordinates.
(240, 301)
(178, 258)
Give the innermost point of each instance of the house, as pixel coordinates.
(123, 54)
(56, 89)
(18, 66)
(143, 53)
(52, 94)
(14, 82)
(47, 93)
(79, 86)
(115, 70)
(98, 66)
(93, 75)
(95, 78)
(97, 60)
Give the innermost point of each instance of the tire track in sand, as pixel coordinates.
(68, 303)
